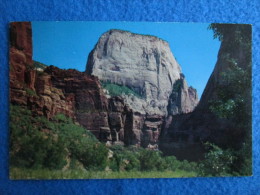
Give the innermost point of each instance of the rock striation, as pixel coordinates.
(31, 88)
(21, 68)
(48, 91)
(143, 63)
(146, 65)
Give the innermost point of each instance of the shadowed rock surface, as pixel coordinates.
(184, 134)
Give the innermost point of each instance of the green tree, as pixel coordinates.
(233, 101)
(217, 162)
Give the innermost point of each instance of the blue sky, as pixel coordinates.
(67, 44)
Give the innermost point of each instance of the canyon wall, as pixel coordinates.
(184, 134)
(142, 63)
(146, 65)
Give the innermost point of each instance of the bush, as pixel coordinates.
(152, 160)
(172, 163)
(243, 163)
(124, 159)
(217, 162)
(140, 159)
(31, 148)
(39, 143)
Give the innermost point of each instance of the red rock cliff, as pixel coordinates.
(75, 94)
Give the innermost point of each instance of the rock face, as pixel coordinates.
(52, 91)
(21, 69)
(183, 134)
(48, 100)
(183, 99)
(146, 65)
(27, 86)
(49, 91)
(143, 63)
(89, 105)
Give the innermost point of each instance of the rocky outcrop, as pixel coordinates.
(29, 87)
(89, 104)
(183, 99)
(52, 91)
(128, 127)
(22, 75)
(152, 129)
(47, 100)
(145, 64)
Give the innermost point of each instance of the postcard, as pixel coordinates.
(103, 100)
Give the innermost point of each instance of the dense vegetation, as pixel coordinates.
(118, 90)
(140, 159)
(59, 148)
(38, 143)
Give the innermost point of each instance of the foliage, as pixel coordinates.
(140, 159)
(241, 32)
(217, 162)
(243, 162)
(151, 160)
(117, 90)
(233, 101)
(172, 163)
(29, 147)
(233, 92)
(124, 159)
(39, 143)
(61, 118)
(30, 92)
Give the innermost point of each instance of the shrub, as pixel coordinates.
(172, 163)
(217, 162)
(31, 147)
(151, 160)
(243, 163)
(124, 159)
